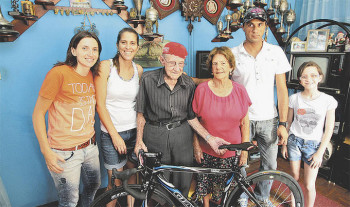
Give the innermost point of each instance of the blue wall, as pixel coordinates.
(23, 66)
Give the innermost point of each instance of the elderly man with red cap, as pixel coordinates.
(165, 115)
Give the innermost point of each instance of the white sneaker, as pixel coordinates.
(243, 202)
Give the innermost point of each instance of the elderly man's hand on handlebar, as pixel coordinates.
(140, 145)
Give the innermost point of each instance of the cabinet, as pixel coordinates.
(342, 170)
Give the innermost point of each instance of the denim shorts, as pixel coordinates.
(112, 159)
(301, 149)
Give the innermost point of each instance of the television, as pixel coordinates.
(335, 68)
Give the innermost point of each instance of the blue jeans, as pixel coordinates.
(265, 133)
(85, 163)
(301, 149)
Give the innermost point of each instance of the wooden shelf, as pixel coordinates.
(21, 23)
(124, 14)
(21, 26)
(224, 38)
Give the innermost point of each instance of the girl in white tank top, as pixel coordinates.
(120, 99)
(116, 88)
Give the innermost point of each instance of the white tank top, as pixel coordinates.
(121, 99)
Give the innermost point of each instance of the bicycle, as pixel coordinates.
(155, 190)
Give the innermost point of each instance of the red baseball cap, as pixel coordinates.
(174, 48)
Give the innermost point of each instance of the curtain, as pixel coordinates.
(308, 10)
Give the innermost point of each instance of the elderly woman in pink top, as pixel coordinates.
(222, 106)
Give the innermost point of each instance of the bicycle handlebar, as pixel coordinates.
(124, 176)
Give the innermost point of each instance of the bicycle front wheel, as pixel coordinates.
(119, 197)
(285, 190)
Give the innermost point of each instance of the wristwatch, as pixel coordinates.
(283, 124)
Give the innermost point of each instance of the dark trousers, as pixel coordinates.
(176, 146)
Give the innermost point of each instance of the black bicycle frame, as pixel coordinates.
(170, 188)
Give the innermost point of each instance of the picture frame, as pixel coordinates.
(298, 46)
(317, 40)
(212, 10)
(165, 7)
(202, 70)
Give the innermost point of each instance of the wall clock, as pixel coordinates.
(165, 7)
(212, 10)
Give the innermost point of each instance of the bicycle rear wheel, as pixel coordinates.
(157, 198)
(285, 190)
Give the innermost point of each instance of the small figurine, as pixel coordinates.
(149, 27)
(340, 39)
(331, 42)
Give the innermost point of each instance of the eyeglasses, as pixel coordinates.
(174, 63)
(313, 76)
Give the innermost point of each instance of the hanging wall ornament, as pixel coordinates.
(192, 10)
(212, 10)
(165, 7)
(87, 26)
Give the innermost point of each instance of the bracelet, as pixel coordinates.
(208, 137)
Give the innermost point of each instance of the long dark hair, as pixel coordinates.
(71, 60)
(126, 29)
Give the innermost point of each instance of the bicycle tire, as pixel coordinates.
(157, 198)
(283, 187)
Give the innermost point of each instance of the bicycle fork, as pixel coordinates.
(242, 184)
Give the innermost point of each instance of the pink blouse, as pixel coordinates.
(221, 116)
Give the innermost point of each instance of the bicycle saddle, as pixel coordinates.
(246, 146)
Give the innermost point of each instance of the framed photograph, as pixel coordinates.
(299, 46)
(165, 7)
(202, 71)
(317, 40)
